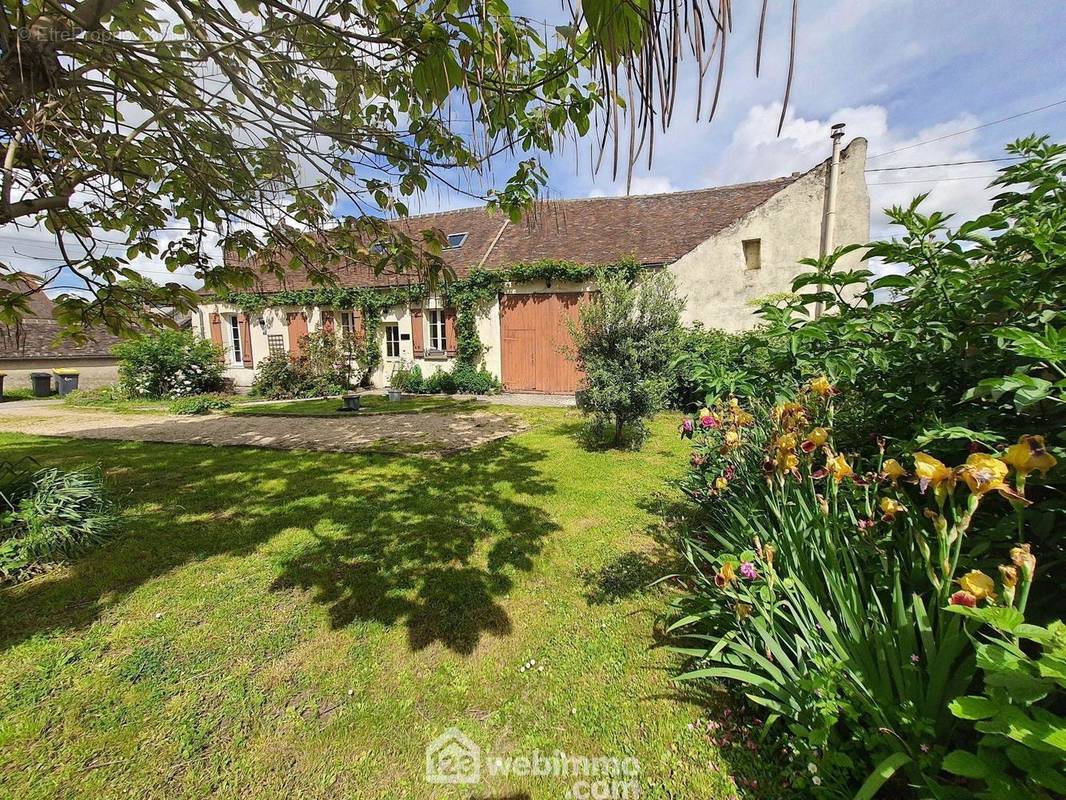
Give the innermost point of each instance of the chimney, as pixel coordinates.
(829, 216)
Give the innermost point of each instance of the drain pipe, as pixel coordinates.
(829, 218)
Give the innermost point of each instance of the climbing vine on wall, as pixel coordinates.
(468, 295)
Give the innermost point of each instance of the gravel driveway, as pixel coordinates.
(403, 433)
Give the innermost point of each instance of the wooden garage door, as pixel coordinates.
(535, 338)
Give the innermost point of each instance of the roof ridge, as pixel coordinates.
(744, 185)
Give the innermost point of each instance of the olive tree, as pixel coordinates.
(174, 127)
(624, 340)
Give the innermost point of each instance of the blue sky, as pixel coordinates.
(896, 71)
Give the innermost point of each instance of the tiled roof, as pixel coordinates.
(36, 338)
(653, 229)
(40, 304)
(36, 335)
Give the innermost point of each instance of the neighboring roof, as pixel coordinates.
(40, 303)
(653, 229)
(36, 335)
(37, 339)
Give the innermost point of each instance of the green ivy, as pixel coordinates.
(467, 295)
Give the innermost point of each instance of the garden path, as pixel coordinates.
(400, 433)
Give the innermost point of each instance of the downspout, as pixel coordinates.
(829, 217)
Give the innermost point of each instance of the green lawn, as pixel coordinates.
(370, 404)
(300, 625)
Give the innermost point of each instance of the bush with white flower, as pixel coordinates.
(169, 363)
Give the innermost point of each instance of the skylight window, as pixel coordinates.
(455, 240)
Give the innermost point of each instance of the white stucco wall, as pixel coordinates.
(721, 292)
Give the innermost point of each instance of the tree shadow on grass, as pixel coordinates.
(429, 544)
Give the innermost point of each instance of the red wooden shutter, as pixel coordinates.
(327, 321)
(358, 331)
(297, 331)
(449, 332)
(216, 329)
(244, 324)
(416, 333)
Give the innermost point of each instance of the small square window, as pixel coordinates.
(275, 343)
(455, 240)
(752, 253)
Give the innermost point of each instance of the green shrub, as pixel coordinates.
(60, 515)
(325, 367)
(440, 382)
(972, 338)
(200, 404)
(408, 379)
(469, 380)
(463, 379)
(623, 341)
(1021, 732)
(711, 364)
(169, 363)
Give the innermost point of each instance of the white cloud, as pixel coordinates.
(642, 184)
(756, 153)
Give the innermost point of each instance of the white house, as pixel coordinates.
(727, 246)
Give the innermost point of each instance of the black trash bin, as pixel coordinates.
(42, 384)
(2, 376)
(66, 381)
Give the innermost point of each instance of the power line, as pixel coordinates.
(935, 180)
(970, 130)
(946, 164)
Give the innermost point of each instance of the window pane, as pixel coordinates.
(392, 341)
(235, 338)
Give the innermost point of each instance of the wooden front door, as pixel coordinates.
(536, 341)
(297, 331)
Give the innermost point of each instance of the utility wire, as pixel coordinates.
(970, 130)
(934, 180)
(946, 164)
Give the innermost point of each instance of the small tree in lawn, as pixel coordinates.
(623, 343)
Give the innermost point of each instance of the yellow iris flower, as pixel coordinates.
(1029, 455)
(984, 473)
(933, 472)
(822, 387)
(978, 584)
(726, 575)
(818, 436)
(1023, 559)
(839, 468)
(893, 470)
(891, 508)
